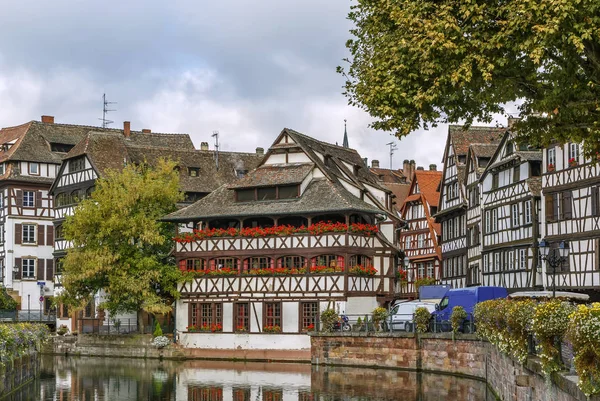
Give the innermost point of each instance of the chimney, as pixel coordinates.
(512, 121)
(420, 168)
(203, 145)
(366, 162)
(126, 129)
(406, 168)
(146, 131)
(260, 151)
(48, 119)
(432, 167)
(375, 164)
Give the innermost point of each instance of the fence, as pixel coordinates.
(120, 326)
(28, 315)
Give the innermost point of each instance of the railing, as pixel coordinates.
(121, 326)
(28, 315)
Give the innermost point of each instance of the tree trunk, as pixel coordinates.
(140, 321)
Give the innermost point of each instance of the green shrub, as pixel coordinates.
(157, 330)
(424, 281)
(457, 318)
(379, 315)
(422, 318)
(6, 301)
(328, 319)
(550, 323)
(584, 334)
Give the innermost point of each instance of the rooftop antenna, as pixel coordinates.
(393, 148)
(216, 136)
(105, 109)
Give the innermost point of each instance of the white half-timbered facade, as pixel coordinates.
(452, 210)
(250, 283)
(510, 207)
(419, 239)
(571, 213)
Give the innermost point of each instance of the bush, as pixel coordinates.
(379, 315)
(161, 341)
(19, 338)
(584, 334)
(550, 323)
(62, 330)
(329, 318)
(157, 330)
(424, 281)
(6, 301)
(457, 318)
(422, 318)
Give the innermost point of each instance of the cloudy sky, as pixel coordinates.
(246, 69)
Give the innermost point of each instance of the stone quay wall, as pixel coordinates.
(465, 355)
(15, 373)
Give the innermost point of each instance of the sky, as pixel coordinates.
(245, 69)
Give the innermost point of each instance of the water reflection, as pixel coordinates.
(102, 379)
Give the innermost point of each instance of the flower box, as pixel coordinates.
(573, 162)
(272, 329)
(551, 167)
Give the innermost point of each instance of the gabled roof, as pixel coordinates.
(496, 161)
(477, 151)
(275, 174)
(320, 196)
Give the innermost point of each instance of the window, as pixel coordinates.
(407, 242)
(488, 221)
(28, 268)
(272, 395)
(421, 241)
(241, 394)
(516, 216)
(450, 225)
(511, 260)
(34, 168)
(193, 171)
(60, 147)
(326, 260)
(551, 156)
(241, 173)
(510, 148)
(497, 261)
(287, 191)
(361, 260)
(486, 264)
(206, 316)
(292, 262)
(77, 164)
(309, 315)
(495, 181)
(28, 199)
(430, 272)
(517, 174)
(245, 195)
(494, 220)
(259, 263)
(421, 270)
(1, 168)
(272, 314)
(522, 259)
(195, 264)
(566, 206)
(268, 193)
(241, 316)
(230, 263)
(527, 210)
(205, 393)
(29, 234)
(535, 168)
(574, 152)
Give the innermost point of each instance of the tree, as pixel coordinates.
(415, 63)
(120, 246)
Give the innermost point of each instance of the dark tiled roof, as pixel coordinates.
(462, 138)
(269, 175)
(484, 149)
(535, 185)
(321, 196)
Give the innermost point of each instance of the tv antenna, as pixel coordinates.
(393, 148)
(105, 109)
(216, 136)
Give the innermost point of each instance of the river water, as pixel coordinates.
(107, 379)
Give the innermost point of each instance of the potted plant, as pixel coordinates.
(572, 162)
(62, 330)
(379, 315)
(551, 167)
(329, 318)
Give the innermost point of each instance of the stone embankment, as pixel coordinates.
(465, 355)
(15, 373)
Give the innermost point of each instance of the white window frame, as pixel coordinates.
(511, 260)
(2, 169)
(574, 151)
(450, 225)
(516, 215)
(551, 157)
(430, 272)
(522, 259)
(488, 221)
(28, 198)
(421, 270)
(496, 261)
(407, 242)
(486, 263)
(37, 168)
(421, 241)
(28, 266)
(527, 212)
(495, 220)
(28, 230)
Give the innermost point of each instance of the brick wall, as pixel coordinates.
(466, 355)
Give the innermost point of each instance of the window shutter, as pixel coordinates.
(595, 201)
(38, 199)
(19, 198)
(598, 253)
(50, 269)
(18, 234)
(40, 269)
(50, 235)
(19, 268)
(40, 234)
(567, 205)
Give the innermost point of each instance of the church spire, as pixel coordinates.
(345, 143)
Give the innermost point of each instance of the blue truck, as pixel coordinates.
(467, 298)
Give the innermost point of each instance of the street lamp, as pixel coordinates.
(554, 258)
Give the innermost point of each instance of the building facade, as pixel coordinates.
(452, 210)
(311, 228)
(420, 238)
(510, 206)
(571, 213)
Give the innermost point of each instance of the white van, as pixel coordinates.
(401, 314)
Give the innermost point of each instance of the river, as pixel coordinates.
(106, 379)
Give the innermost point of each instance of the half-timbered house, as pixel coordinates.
(30, 155)
(397, 181)
(510, 206)
(420, 238)
(571, 213)
(478, 158)
(103, 150)
(453, 202)
(311, 228)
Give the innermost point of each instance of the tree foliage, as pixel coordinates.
(119, 245)
(415, 63)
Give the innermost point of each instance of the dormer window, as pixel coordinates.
(241, 173)
(60, 147)
(77, 164)
(267, 193)
(510, 148)
(356, 170)
(193, 171)
(34, 169)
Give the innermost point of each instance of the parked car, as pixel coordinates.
(467, 298)
(401, 314)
